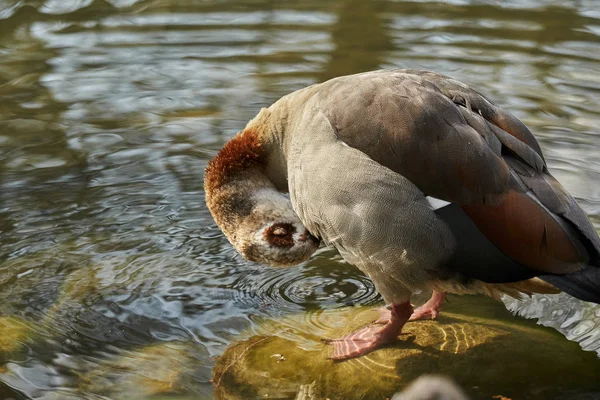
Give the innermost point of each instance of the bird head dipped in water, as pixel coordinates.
(258, 220)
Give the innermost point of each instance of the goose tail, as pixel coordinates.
(583, 284)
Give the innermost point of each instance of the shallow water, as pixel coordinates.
(110, 109)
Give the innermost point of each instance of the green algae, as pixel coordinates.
(485, 356)
(14, 334)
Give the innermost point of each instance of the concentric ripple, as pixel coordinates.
(306, 288)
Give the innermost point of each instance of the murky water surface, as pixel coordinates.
(110, 109)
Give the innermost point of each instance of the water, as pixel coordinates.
(110, 110)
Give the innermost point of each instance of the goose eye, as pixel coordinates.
(280, 234)
(280, 231)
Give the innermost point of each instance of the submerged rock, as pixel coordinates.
(166, 369)
(36, 279)
(487, 357)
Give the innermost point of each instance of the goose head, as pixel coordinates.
(256, 218)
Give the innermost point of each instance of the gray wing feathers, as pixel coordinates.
(407, 124)
(475, 102)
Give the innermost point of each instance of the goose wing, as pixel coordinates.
(455, 145)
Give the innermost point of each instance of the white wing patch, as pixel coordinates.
(435, 203)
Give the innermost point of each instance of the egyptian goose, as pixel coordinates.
(416, 179)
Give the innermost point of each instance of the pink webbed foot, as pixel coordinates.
(431, 309)
(370, 338)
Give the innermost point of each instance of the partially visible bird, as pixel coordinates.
(418, 180)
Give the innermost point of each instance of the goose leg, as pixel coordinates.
(431, 309)
(371, 337)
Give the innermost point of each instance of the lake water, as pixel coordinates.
(110, 110)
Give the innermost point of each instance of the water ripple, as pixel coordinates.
(110, 109)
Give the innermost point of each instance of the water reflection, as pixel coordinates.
(360, 38)
(109, 111)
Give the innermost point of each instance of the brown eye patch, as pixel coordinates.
(280, 234)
